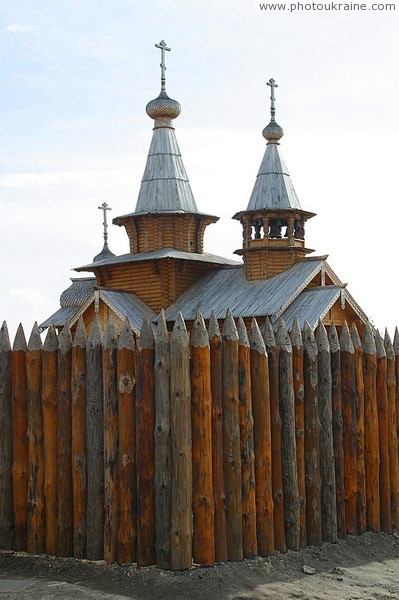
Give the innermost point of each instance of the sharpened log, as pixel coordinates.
(383, 427)
(361, 481)
(393, 437)
(6, 443)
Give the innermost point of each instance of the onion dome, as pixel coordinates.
(273, 132)
(163, 110)
(104, 254)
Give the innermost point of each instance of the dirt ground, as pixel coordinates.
(359, 568)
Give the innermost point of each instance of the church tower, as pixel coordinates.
(274, 222)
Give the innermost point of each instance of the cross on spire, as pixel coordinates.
(272, 85)
(163, 47)
(104, 207)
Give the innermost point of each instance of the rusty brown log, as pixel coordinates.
(201, 403)
(312, 439)
(250, 545)
(20, 439)
(36, 502)
(215, 341)
(50, 425)
(145, 448)
(396, 352)
(383, 427)
(6, 495)
(361, 480)
(262, 441)
(182, 489)
(392, 432)
(231, 440)
(127, 445)
(275, 419)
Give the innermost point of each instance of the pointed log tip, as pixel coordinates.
(51, 341)
(35, 341)
(5, 344)
(179, 333)
(334, 339)
(20, 339)
(94, 338)
(355, 336)
(379, 344)
(396, 342)
(345, 340)
(322, 337)
(229, 329)
(80, 338)
(161, 333)
(282, 336)
(214, 329)
(296, 334)
(369, 346)
(268, 333)
(126, 337)
(388, 345)
(309, 340)
(110, 340)
(65, 339)
(200, 337)
(146, 340)
(243, 339)
(256, 340)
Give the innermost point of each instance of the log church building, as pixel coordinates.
(168, 268)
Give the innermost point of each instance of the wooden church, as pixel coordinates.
(167, 268)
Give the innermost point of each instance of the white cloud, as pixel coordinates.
(17, 28)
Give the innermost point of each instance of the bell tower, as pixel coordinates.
(274, 222)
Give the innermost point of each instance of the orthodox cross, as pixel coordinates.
(272, 85)
(162, 46)
(104, 207)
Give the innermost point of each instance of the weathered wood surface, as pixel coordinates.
(275, 419)
(312, 440)
(371, 433)
(79, 459)
(64, 446)
(201, 403)
(145, 446)
(392, 431)
(287, 412)
(6, 495)
(20, 439)
(327, 462)
(126, 378)
(396, 352)
(231, 440)
(262, 441)
(50, 427)
(215, 341)
(361, 481)
(249, 541)
(95, 445)
(182, 491)
(111, 437)
(348, 383)
(383, 427)
(36, 506)
(163, 491)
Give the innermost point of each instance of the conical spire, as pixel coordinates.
(165, 186)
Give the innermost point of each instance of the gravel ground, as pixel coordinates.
(359, 568)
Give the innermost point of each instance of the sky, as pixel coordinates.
(76, 77)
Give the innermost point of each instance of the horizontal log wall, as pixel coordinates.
(173, 451)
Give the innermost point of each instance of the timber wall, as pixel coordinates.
(201, 449)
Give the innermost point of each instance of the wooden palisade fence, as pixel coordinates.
(177, 448)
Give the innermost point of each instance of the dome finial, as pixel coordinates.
(163, 109)
(273, 132)
(105, 252)
(163, 47)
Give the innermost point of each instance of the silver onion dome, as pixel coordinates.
(273, 132)
(163, 110)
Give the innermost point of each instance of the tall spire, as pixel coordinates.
(105, 252)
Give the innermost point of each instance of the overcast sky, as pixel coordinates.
(76, 77)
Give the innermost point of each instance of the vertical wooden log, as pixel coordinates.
(371, 435)
(20, 439)
(361, 480)
(180, 412)
(79, 459)
(249, 542)
(338, 432)
(201, 403)
(145, 446)
(297, 363)
(64, 446)
(392, 432)
(6, 443)
(348, 384)
(277, 470)
(36, 502)
(312, 439)
(215, 341)
(396, 352)
(231, 440)
(327, 463)
(383, 427)
(262, 441)
(50, 425)
(127, 445)
(287, 412)
(95, 444)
